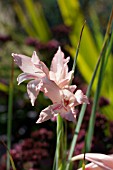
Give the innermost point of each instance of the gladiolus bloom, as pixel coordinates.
(54, 84)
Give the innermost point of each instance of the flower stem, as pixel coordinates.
(59, 147)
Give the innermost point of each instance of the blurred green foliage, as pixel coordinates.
(46, 25)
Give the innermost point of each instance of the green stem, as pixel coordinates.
(59, 147)
(78, 47)
(77, 51)
(9, 120)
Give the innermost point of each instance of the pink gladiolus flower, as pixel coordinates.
(54, 84)
(99, 161)
(35, 69)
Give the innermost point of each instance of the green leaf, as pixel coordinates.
(100, 80)
(38, 20)
(23, 20)
(10, 157)
(3, 87)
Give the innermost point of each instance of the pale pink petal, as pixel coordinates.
(25, 63)
(80, 98)
(51, 90)
(33, 88)
(69, 75)
(66, 61)
(69, 97)
(91, 166)
(44, 68)
(46, 114)
(35, 60)
(103, 161)
(62, 83)
(27, 76)
(66, 105)
(55, 109)
(58, 61)
(59, 66)
(52, 76)
(39, 64)
(68, 115)
(60, 76)
(64, 72)
(72, 88)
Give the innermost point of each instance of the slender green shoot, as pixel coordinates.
(10, 157)
(78, 47)
(109, 49)
(9, 120)
(77, 50)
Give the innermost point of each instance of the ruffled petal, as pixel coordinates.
(39, 64)
(102, 160)
(33, 88)
(24, 63)
(44, 68)
(57, 62)
(69, 75)
(63, 83)
(27, 76)
(72, 88)
(35, 60)
(68, 115)
(80, 98)
(52, 76)
(69, 97)
(91, 166)
(51, 90)
(59, 66)
(45, 114)
(65, 112)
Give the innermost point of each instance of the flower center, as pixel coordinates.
(66, 102)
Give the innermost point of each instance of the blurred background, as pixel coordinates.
(43, 26)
